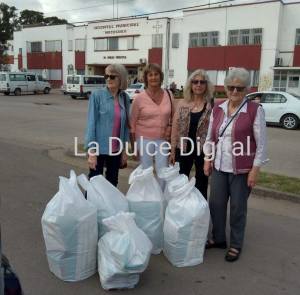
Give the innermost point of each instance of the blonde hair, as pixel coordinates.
(121, 72)
(188, 92)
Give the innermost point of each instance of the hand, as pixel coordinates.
(124, 159)
(252, 177)
(92, 162)
(207, 168)
(172, 159)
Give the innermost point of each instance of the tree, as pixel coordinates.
(31, 17)
(53, 20)
(8, 22)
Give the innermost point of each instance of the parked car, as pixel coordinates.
(83, 85)
(134, 89)
(23, 82)
(281, 108)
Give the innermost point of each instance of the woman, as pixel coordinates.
(191, 121)
(108, 117)
(151, 120)
(237, 131)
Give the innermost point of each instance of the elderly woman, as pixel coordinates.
(191, 121)
(151, 118)
(237, 131)
(107, 118)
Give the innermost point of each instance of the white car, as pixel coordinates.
(134, 89)
(280, 107)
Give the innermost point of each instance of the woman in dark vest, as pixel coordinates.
(235, 150)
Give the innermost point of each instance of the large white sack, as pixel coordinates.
(69, 226)
(186, 225)
(145, 199)
(123, 252)
(168, 174)
(105, 197)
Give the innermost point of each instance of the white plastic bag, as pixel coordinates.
(145, 199)
(186, 225)
(105, 197)
(123, 252)
(168, 174)
(69, 226)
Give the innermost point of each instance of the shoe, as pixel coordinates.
(211, 244)
(232, 254)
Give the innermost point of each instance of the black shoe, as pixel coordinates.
(211, 244)
(232, 254)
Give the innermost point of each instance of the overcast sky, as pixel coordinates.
(83, 10)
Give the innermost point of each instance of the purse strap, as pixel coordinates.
(170, 98)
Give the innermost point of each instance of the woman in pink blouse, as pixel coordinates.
(151, 118)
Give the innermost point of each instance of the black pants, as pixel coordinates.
(186, 163)
(112, 164)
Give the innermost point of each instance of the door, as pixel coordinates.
(274, 105)
(32, 83)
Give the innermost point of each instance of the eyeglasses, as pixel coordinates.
(201, 82)
(111, 77)
(238, 88)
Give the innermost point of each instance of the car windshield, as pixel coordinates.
(295, 95)
(136, 86)
(2, 77)
(73, 80)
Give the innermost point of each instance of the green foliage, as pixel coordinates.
(9, 22)
(31, 17)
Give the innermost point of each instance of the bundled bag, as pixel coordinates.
(105, 197)
(123, 252)
(145, 199)
(69, 226)
(168, 174)
(186, 225)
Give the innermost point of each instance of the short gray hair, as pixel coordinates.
(187, 92)
(121, 71)
(238, 73)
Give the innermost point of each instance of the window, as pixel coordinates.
(54, 74)
(53, 46)
(73, 80)
(70, 45)
(80, 72)
(213, 76)
(157, 40)
(245, 37)
(2, 77)
(80, 45)
(175, 40)
(31, 78)
(273, 98)
(130, 43)
(17, 77)
(113, 43)
(40, 78)
(20, 51)
(94, 80)
(254, 78)
(100, 44)
(34, 46)
(293, 82)
(297, 36)
(204, 39)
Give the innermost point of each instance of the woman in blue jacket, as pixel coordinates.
(108, 118)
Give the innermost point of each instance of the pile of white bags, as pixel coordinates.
(69, 226)
(186, 224)
(123, 252)
(105, 197)
(145, 199)
(168, 174)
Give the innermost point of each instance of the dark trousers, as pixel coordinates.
(186, 163)
(112, 164)
(225, 186)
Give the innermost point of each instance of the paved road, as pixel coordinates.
(270, 263)
(54, 120)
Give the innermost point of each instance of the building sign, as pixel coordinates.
(115, 57)
(116, 28)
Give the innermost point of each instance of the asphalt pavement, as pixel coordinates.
(269, 264)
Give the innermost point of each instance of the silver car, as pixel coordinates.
(134, 89)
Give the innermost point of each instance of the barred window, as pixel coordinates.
(100, 44)
(204, 39)
(245, 37)
(193, 40)
(34, 46)
(297, 36)
(53, 46)
(175, 40)
(113, 43)
(157, 40)
(214, 38)
(80, 45)
(257, 36)
(70, 45)
(233, 37)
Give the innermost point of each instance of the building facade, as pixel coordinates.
(263, 37)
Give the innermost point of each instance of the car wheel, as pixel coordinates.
(74, 96)
(17, 92)
(46, 90)
(6, 93)
(290, 121)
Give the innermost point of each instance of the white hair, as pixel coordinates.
(240, 74)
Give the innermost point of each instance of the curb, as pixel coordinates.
(67, 156)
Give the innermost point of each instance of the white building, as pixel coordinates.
(262, 37)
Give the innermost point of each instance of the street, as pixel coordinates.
(32, 125)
